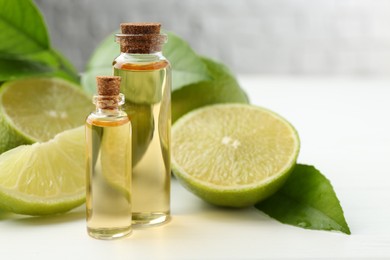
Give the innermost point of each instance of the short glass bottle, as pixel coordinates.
(146, 83)
(108, 185)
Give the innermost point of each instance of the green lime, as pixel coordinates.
(233, 154)
(44, 178)
(36, 109)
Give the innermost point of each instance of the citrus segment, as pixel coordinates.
(233, 154)
(44, 178)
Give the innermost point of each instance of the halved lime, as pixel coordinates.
(44, 178)
(36, 109)
(233, 154)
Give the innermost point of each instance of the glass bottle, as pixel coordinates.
(108, 138)
(146, 83)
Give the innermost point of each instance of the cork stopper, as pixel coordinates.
(108, 92)
(108, 85)
(140, 28)
(141, 37)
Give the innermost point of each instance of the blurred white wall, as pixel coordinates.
(320, 37)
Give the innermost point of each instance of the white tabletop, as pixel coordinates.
(344, 127)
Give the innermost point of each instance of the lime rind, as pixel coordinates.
(11, 137)
(242, 196)
(235, 195)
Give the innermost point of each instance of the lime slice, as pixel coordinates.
(234, 154)
(36, 109)
(44, 178)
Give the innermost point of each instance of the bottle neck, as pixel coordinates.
(142, 57)
(110, 105)
(108, 112)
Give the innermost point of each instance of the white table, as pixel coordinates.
(344, 126)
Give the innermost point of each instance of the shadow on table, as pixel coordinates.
(203, 209)
(75, 214)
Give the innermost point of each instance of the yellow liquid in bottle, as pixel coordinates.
(147, 91)
(108, 199)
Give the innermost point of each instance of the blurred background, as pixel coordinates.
(310, 37)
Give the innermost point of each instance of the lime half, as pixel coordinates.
(44, 178)
(36, 109)
(233, 154)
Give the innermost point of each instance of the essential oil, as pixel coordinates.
(108, 136)
(146, 83)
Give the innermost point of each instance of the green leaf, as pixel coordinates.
(13, 68)
(49, 63)
(22, 28)
(223, 88)
(24, 44)
(187, 67)
(307, 200)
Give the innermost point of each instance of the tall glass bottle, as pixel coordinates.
(108, 138)
(146, 83)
